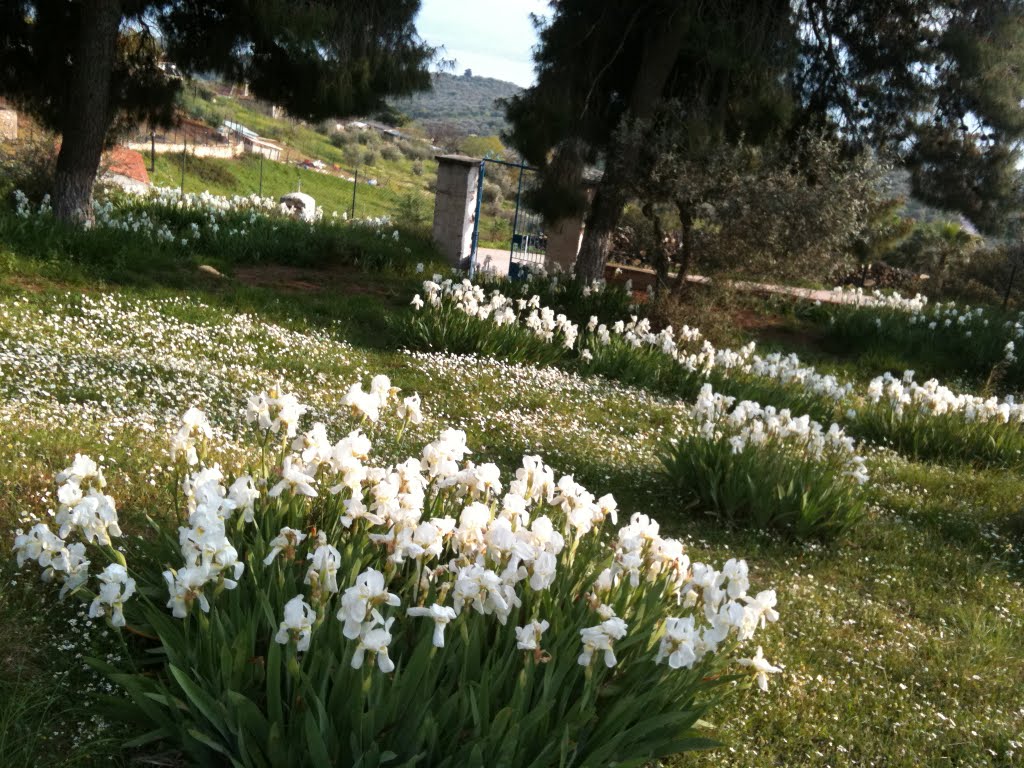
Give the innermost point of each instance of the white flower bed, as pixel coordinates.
(932, 399)
(353, 557)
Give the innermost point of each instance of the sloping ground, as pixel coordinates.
(903, 646)
(128, 163)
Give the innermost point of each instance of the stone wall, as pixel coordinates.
(196, 150)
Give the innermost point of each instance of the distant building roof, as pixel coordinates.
(238, 128)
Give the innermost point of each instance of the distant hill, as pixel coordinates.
(466, 103)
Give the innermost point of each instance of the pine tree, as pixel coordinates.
(83, 66)
(936, 82)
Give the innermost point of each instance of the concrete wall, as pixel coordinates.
(8, 124)
(455, 207)
(198, 150)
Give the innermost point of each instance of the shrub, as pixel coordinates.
(461, 318)
(415, 150)
(29, 168)
(413, 210)
(930, 421)
(330, 611)
(341, 139)
(491, 193)
(577, 301)
(946, 338)
(764, 468)
(370, 158)
(390, 153)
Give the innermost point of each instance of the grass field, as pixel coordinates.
(901, 645)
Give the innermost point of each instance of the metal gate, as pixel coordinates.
(508, 239)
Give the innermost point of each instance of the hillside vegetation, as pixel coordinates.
(465, 103)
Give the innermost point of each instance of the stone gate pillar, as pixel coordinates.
(455, 207)
(565, 236)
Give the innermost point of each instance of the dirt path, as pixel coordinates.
(642, 277)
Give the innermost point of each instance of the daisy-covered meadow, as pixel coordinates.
(255, 526)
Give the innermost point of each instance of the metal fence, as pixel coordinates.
(351, 192)
(509, 237)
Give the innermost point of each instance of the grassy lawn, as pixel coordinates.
(902, 644)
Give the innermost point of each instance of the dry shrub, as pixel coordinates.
(707, 307)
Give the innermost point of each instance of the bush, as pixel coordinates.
(415, 150)
(928, 421)
(491, 193)
(29, 167)
(417, 168)
(762, 468)
(413, 210)
(390, 153)
(370, 158)
(945, 339)
(459, 318)
(341, 139)
(402, 614)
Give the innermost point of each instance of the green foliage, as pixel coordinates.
(29, 167)
(949, 438)
(576, 301)
(466, 103)
(225, 686)
(972, 348)
(413, 210)
(767, 486)
(319, 60)
(267, 239)
(652, 369)
(446, 329)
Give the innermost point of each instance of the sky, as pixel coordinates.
(494, 38)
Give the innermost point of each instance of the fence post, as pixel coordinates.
(476, 220)
(183, 153)
(152, 151)
(515, 218)
(261, 174)
(355, 185)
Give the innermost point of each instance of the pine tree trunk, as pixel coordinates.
(605, 211)
(686, 217)
(88, 114)
(661, 49)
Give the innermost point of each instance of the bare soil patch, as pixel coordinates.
(338, 279)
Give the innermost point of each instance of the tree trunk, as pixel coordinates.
(660, 258)
(605, 211)
(686, 217)
(88, 115)
(660, 52)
